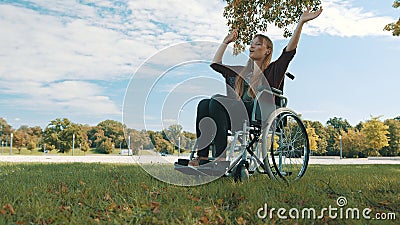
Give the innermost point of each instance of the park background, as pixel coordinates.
(75, 59)
(368, 138)
(64, 69)
(69, 65)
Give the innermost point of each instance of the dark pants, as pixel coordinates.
(214, 118)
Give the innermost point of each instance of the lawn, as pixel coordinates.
(97, 193)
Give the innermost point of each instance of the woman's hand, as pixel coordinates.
(308, 15)
(231, 37)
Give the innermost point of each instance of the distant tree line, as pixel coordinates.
(59, 133)
(105, 137)
(370, 138)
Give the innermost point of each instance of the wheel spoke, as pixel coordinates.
(290, 157)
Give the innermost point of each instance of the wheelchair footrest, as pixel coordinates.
(206, 168)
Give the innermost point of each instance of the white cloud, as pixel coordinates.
(46, 48)
(67, 96)
(342, 18)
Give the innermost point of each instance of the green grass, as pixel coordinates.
(81, 193)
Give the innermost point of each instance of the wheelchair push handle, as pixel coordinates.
(291, 76)
(271, 90)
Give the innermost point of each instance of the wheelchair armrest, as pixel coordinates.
(262, 90)
(274, 91)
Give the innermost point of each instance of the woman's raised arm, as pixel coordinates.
(306, 16)
(231, 37)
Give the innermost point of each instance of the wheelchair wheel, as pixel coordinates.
(262, 152)
(241, 172)
(288, 142)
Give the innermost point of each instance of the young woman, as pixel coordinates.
(229, 112)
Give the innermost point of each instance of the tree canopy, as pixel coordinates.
(395, 26)
(339, 123)
(393, 148)
(252, 16)
(376, 135)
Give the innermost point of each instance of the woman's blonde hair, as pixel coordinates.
(257, 76)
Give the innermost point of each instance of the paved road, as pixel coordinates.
(171, 159)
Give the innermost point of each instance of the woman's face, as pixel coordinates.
(258, 49)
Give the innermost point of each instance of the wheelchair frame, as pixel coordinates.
(269, 148)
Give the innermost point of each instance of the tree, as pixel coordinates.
(332, 136)
(86, 142)
(190, 140)
(375, 133)
(59, 135)
(31, 145)
(146, 142)
(34, 134)
(359, 126)
(85, 147)
(91, 133)
(67, 137)
(353, 142)
(312, 136)
(112, 129)
(339, 124)
(320, 131)
(393, 148)
(52, 133)
(395, 26)
(5, 129)
(138, 140)
(333, 129)
(19, 139)
(173, 135)
(104, 144)
(252, 16)
(159, 143)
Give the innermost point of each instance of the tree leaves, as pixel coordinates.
(395, 26)
(252, 16)
(375, 133)
(7, 209)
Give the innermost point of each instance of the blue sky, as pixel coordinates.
(75, 59)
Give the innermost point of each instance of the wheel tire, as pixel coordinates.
(244, 174)
(241, 173)
(262, 152)
(288, 142)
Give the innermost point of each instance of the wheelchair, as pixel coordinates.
(276, 145)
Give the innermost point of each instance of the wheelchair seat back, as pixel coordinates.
(279, 101)
(278, 98)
